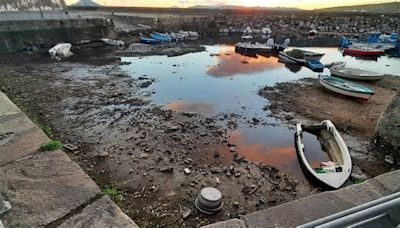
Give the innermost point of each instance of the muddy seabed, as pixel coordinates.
(141, 149)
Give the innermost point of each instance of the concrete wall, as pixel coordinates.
(31, 5)
(23, 35)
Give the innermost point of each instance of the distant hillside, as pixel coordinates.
(234, 7)
(86, 3)
(393, 7)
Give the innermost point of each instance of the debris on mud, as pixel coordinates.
(159, 159)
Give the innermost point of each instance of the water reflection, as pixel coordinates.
(293, 67)
(199, 107)
(183, 83)
(362, 57)
(236, 63)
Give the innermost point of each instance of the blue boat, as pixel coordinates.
(345, 87)
(315, 65)
(149, 40)
(161, 37)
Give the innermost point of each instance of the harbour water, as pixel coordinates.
(220, 82)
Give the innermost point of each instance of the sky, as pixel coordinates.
(302, 4)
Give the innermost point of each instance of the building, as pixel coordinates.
(31, 5)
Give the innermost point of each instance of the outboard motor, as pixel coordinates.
(286, 42)
(270, 42)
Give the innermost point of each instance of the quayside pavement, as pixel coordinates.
(317, 206)
(47, 188)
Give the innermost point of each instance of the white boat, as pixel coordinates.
(283, 57)
(333, 173)
(345, 87)
(356, 74)
(253, 46)
(246, 37)
(310, 55)
(61, 50)
(112, 42)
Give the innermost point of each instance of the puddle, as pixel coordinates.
(227, 83)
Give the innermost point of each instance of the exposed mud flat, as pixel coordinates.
(306, 100)
(140, 148)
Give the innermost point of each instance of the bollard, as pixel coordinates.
(4, 205)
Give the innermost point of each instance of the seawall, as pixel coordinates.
(42, 34)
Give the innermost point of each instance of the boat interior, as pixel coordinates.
(328, 143)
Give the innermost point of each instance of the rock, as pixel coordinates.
(144, 155)
(216, 170)
(186, 213)
(103, 154)
(236, 204)
(70, 147)
(232, 149)
(167, 169)
(389, 159)
(187, 171)
(263, 200)
(237, 174)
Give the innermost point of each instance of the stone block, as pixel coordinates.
(101, 213)
(43, 188)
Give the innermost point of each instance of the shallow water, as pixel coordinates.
(228, 83)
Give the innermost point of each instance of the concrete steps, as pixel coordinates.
(47, 188)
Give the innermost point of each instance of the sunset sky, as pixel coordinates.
(303, 4)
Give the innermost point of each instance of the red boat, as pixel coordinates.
(363, 51)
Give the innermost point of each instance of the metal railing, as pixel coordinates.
(383, 212)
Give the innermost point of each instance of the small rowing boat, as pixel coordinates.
(363, 51)
(283, 57)
(333, 173)
(145, 40)
(356, 74)
(118, 43)
(315, 65)
(310, 55)
(345, 87)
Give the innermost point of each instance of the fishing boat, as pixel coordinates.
(315, 65)
(162, 37)
(363, 51)
(118, 43)
(345, 87)
(333, 173)
(283, 57)
(252, 47)
(310, 55)
(335, 64)
(145, 40)
(356, 74)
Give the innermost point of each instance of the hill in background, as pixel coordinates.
(393, 7)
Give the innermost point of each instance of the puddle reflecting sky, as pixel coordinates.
(228, 83)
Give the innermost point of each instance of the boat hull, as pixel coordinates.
(315, 66)
(365, 96)
(359, 75)
(333, 180)
(288, 59)
(363, 52)
(149, 40)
